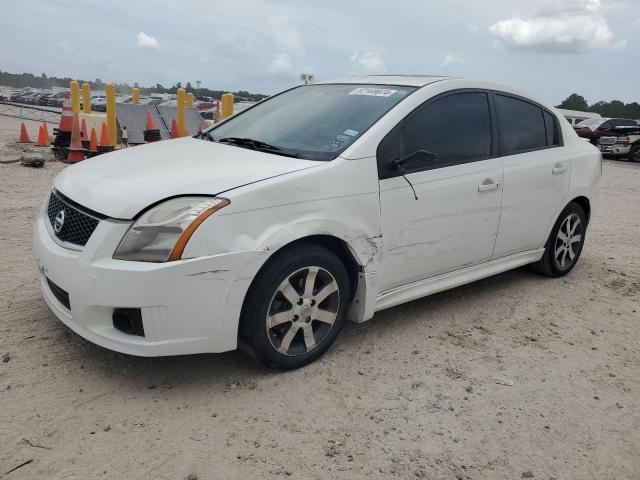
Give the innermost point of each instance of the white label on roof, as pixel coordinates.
(373, 92)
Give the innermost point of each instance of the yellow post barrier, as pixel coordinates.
(75, 96)
(110, 90)
(180, 113)
(227, 105)
(135, 95)
(189, 99)
(86, 98)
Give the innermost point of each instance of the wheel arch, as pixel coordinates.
(585, 204)
(336, 245)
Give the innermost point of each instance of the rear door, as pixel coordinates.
(536, 173)
(439, 216)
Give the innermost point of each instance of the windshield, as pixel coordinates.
(314, 122)
(591, 122)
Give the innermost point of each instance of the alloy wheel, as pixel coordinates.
(303, 311)
(568, 241)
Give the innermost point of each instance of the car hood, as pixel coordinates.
(122, 183)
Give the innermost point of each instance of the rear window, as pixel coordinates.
(522, 126)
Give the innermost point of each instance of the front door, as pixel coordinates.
(446, 152)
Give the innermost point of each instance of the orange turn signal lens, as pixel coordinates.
(178, 249)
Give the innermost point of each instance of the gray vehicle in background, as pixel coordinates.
(622, 142)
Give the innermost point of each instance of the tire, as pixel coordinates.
(284, 324)
(634, 153)
(560, 256)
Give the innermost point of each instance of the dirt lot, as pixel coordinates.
(418, 392)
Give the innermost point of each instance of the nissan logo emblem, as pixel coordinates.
(58, 222)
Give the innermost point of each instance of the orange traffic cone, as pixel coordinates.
(151, 125)
(76, 152)
(151, 133)
(43, 140)
(66, 119)
(83, 130)
(24, 135)
(93, 142)
(105, 144)
(104, 136)
(46, 130)
(83, 134)
(175, 133)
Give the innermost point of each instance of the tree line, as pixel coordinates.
(21, 80)
(613, 109)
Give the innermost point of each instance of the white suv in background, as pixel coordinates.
(326, 202)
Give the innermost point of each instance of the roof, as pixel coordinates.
(410, 80)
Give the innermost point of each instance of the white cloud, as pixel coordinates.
(287, 41)
(472, 28)
(146, 41)
(451, 59)
(285, 36)
(565, 34)
(368, 63)
(281, 65)
(569, 26)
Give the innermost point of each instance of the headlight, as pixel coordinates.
(161, 233)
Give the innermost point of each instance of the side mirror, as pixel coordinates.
(420, 156)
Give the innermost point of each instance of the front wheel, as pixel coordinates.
(565, 243)
(295, 307)
(634, 153)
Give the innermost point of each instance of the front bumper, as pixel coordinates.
(188, 306)
(616, 149)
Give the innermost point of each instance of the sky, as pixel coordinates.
(550, 48)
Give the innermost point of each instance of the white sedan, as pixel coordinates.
(327, 202)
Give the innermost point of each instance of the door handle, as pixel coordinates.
(559, 168)
(488, 185)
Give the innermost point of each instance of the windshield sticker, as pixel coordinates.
(339, 141)
(373, 92)
(351, 133)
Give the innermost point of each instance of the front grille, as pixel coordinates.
(60, 294)
(73, 225)
(608, 140)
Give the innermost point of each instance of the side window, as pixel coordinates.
(627, 123)
(456, 128)
(522, 125)
(551, 126)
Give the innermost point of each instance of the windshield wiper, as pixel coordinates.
(257, 145)
(250, 142)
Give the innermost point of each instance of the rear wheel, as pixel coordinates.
(634, 153)
(295, 307)
(565, 243)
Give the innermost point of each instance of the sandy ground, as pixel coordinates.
(411, 394)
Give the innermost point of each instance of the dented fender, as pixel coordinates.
(271, 214)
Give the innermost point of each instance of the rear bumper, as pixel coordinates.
(189, 306)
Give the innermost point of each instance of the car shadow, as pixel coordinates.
(226, 370)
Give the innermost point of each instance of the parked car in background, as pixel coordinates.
(575, 116)
(327, 202)
(57, 99)
(622, 142)
(594, 128)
